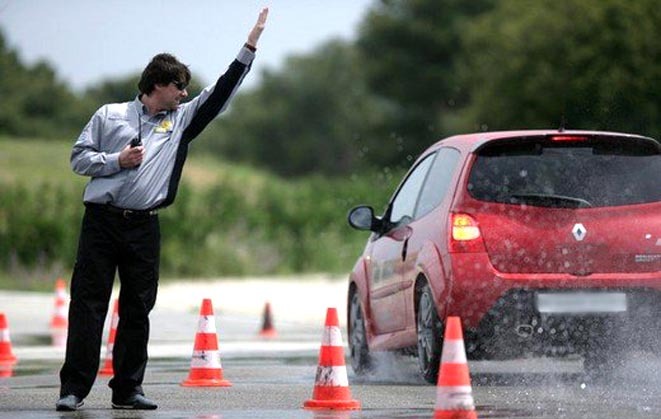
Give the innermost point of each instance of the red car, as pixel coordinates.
(543, 242)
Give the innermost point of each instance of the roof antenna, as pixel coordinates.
(563, 123)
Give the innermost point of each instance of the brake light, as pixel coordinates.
(464, 227)
(465, 235)
(568, 138)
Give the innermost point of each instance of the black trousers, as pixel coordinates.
(110, 242)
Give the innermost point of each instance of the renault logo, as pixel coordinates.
(579, 231)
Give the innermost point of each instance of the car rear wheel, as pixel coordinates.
(430, 335)
(361, 361)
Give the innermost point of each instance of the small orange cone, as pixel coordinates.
(205, 368)
(59, 319)
(331, 387)
(7, 357)
(268, 331)
(107, 370)
(454, 395)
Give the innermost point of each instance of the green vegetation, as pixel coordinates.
(228, 219)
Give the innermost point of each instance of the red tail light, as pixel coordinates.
(568, 138)
(465, 234)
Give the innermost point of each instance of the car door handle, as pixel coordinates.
(405, 248)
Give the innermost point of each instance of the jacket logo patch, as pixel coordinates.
(165, 126)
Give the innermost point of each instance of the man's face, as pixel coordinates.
(171, 95)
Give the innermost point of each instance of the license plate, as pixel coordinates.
(581, 302)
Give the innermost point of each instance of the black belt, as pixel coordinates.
(126, 213)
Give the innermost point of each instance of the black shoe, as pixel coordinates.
(136, 402)
(68, 403)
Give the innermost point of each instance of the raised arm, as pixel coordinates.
(215, 99)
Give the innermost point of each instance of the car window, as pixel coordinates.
(595, 174)
(404, 203)
(438, 181)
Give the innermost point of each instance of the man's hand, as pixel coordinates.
(257, 30)
(131, 156)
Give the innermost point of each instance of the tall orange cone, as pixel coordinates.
(206, 369)
(107, 369)
(268, 331)
(454, 394)
(7, 357)
(331, 387)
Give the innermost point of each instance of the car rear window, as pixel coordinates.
(595, 172)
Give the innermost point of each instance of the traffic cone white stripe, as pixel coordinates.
(332, 336)
(4, 335)
(206, 359)
(454, 352)
(455, 397)
(61, 310)
(335, 376)
(206, 324)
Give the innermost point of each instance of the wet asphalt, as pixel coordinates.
(272, 378)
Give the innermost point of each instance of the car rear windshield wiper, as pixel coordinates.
(547, 200)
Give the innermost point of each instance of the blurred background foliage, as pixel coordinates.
(334, 127)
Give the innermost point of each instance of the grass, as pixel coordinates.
(36, 161)
(30, 161)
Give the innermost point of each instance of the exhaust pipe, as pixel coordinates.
(524, 330)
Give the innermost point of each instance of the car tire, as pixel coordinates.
(361, 360)
(430, 335)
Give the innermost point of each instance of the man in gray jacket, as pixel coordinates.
(134, 153)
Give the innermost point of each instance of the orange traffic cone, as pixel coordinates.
(59, 319)
(107, 365)
(331, 387)
(7, 357)
(454, 395)
(268, 331)
(205, 368)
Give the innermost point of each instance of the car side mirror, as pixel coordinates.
(362, 218)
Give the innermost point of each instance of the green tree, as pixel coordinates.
(595, 63)
(34, 102)
(409, 51)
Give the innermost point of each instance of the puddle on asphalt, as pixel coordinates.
(33, 340)
(29, 368)
(488, 411)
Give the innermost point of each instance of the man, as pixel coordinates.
(134, 153)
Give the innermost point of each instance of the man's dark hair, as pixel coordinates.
(163, 69)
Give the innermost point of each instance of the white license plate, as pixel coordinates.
(581, 302)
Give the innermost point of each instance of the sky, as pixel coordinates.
(87, 41)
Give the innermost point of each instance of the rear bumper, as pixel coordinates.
(514, 327)
(500, 311)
